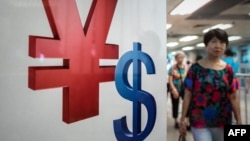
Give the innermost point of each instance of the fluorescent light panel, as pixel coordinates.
(172, 44)
(187, 48)
(188, 7)
(168, 26)
(233, 38)
(188, 38)
(221, 26)
(173, 53)
(200, 45)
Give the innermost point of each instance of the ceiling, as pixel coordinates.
(215, 12)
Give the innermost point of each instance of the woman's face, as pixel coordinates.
(179, 58)
(216, 47)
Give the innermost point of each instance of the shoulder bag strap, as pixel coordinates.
(180, 73)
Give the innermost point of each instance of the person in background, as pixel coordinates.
(229, 59)
(198, 57)
(189, 63)
(176, 75)
(168, 66)
(210, 92)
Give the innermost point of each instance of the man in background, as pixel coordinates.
(229, 59)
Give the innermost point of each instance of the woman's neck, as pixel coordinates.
(213, 59)
(213, 63)
(180, 65)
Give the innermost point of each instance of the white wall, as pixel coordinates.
(28, 115)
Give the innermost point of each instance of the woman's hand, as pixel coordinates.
(175, 93)
(238, 122)
(183, 128)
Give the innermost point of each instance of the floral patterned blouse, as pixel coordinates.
(210, 105)
(178, 75)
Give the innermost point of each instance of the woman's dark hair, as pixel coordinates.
(198, 57)
(218, 33)
(229, 52)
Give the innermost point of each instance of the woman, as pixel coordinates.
(210, 92)
(177, 73)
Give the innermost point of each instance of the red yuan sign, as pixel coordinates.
(81, 49)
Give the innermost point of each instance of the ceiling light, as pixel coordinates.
(233, 38)
(168, 26)
(188, 7)
(172, 44)
(221, 26)
(188, 38)
(187, 48)
(200, 45)
(173, 53)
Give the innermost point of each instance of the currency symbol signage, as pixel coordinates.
(80, 49)
(135, 94)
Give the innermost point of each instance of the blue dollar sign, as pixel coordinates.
(134, 94)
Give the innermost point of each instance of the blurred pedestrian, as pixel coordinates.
(229, 59)
(177, 74)
(210, 92)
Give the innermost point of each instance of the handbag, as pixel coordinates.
(182, 138)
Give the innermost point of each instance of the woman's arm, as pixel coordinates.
(173, 89)
(185, 105)
(234, 99)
